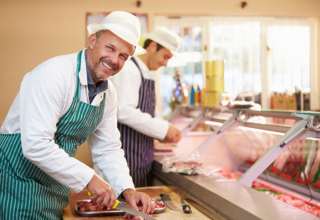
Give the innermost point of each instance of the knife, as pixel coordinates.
(167, 200)
(186, 208)
(123, 206)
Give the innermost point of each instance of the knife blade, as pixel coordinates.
(167, 200)
(123, 206)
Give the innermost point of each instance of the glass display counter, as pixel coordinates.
(274, 152)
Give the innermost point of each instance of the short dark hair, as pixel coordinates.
(99, 33)
(147, 42)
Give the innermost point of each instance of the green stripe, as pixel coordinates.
(26, 192)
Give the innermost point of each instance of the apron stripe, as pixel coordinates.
(26, 192)
(138, 147)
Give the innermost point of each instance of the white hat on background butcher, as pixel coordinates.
(165, 38)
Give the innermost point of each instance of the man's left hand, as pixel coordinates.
(135, 198)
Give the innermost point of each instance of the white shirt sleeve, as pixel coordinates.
(107, 153)
(127, 83)
(41, 99)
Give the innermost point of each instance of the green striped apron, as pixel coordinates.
(26, 192)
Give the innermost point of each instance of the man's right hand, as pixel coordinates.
(173, 135)
(101, 191)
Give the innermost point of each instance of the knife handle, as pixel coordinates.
(186, 208)
(115, 204)
(89, 193)
(165, 197)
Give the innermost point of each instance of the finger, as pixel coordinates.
(100, 198)
(146, 204)
(112, 200)
(133, 203)
(177, 136)
(153, 207)
(94, 198)
(149, 210)
(106, 200)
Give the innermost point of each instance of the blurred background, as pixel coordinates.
(269, 48)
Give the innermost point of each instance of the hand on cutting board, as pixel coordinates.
(101, 191)
(173, 135)
(135, 199)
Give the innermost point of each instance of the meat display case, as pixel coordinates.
(254, 164)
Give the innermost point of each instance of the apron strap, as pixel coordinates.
(78, 72)
(139, 68)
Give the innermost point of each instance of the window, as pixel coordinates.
(261, 55)
(188, 60)
(238, 44)
(289, 54)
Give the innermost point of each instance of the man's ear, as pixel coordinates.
(92, 41)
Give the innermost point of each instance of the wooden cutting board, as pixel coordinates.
(153, 192)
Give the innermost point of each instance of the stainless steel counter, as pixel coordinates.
(229, 199)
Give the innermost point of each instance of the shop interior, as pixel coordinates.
(243, 88)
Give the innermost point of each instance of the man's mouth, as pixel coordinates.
(109, 66)
(106, 65)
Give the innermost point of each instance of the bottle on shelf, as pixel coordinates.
(179, 93)
(192, 96)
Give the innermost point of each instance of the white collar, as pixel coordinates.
(83, 70)
(147, 73)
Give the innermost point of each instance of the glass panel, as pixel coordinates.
(294, 177)
(236, 146)
(295, 164)
(289, 51)
(238, 44)
(273, 120)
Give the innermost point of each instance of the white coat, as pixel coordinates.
(45, 95)
(127, 83)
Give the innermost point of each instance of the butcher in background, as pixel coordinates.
(136, 94)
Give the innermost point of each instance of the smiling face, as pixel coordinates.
(106, 54)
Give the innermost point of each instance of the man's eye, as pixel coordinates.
(109, 48)
(123, 57)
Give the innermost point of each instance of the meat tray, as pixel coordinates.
(88, 208)
(95, 211)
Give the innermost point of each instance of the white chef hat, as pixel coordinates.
(165, 38)
(123, 24)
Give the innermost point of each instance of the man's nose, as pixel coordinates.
(114, 58)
